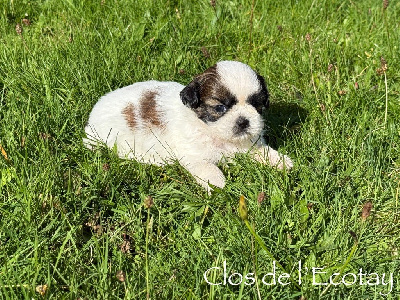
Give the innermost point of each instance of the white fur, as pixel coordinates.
(239, 78)
(198, 146)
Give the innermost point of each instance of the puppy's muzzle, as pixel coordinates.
(241, 126)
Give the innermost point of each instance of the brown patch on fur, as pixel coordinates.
(211, 86)
(129, 114)
(212, 93)
(148, 109)
(211, 102)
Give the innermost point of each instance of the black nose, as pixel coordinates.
(242, 123)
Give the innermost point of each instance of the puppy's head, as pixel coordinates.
(228, 97)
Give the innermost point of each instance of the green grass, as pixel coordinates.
(72, 219)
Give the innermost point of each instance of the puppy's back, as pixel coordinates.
(126, 114)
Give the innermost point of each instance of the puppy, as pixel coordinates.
(216, 115)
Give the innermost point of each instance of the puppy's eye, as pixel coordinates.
(220, 108)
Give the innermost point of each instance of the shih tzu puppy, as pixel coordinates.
(215, 116)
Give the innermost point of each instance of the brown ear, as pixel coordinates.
(190, 95)
(202, 83)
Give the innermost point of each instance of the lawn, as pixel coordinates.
(81, 224)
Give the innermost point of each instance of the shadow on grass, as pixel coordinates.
(281, 120)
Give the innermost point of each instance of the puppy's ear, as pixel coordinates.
(190, 95)
(264, 90)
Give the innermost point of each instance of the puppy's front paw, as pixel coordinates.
(284, 163)
(217, 180)
(272, 157)
(207, 173)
